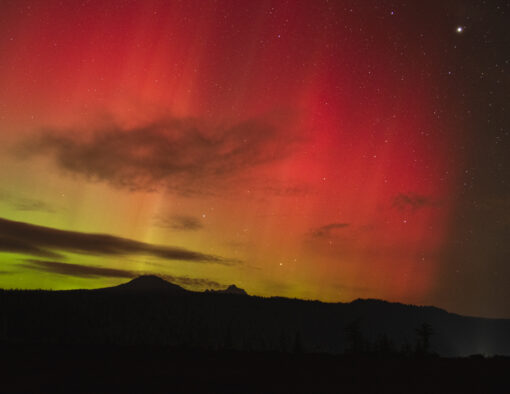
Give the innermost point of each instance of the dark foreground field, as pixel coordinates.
(29, 369)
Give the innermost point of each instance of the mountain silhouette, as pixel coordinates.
(147, 283)
(151, 311)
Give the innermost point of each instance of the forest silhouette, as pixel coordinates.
(149, 335)
(151, 311)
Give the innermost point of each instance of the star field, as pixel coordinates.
(315, 149)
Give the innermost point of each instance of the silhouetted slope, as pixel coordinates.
(149, 310)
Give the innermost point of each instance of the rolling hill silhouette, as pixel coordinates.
(151, 311)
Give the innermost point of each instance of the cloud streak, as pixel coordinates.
(81, 271)
(13, 245)
(25, 204)
(412, 201)
(179, 223)
(18, 237)
(328, 230)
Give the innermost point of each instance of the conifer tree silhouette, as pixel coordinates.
(424, 332)
(354, 337)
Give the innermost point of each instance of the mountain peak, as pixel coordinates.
(150, 283)
(233, 289)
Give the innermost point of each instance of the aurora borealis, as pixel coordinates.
(314, 149)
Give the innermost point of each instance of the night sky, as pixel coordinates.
(326, 150)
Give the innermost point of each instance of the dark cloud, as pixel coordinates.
(87, 271)
(179, 222)
(25, 204)
(82, 271)
(412, 201)
(328, 230)
(12, 245)
(184, 155)
(47, 242)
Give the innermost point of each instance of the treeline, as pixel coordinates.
(385, 346)
(234, 322)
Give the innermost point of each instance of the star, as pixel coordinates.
(460, 29)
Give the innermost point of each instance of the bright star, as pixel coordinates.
(460, 29)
